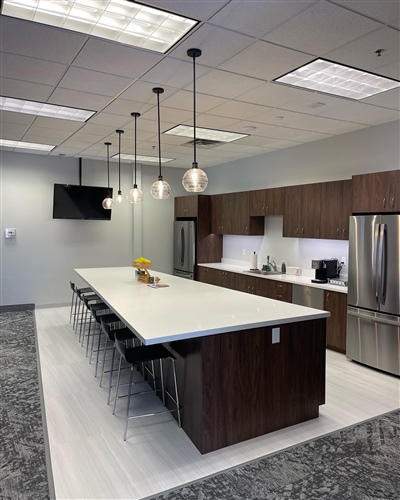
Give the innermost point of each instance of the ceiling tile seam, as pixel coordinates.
(346, 7)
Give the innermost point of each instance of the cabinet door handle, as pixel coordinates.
(392, 202)
(267, 210)
(279, 286)
(327, 296)
(247, 229)
(384, 202)
(263, 210)
(297, 231)
(337, 232)
(302, 231)
(343, 233)
(279, 297)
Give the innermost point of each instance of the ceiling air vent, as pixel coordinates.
(203, 143)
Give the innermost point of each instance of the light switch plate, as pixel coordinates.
(276, 335)
(10, 232)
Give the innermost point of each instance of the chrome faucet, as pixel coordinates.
(271, 264)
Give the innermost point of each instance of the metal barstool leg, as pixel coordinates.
(128, 403)
(111, 375)
(104, 360)
(72, 303)
(98, 350)
(176, 392)
(89, 334)
(117, 388)
(162, 382)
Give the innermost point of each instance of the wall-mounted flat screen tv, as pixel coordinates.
(80, 202)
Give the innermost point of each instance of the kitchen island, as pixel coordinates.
(234, 382)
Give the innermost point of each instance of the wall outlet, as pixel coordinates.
(244, 251)
(276, 335)
(343, 260)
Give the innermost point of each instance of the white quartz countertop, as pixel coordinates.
(187, 309)
(288, 278)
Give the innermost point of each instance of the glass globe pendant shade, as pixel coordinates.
(119, 197)
(195, 180)
(108, 203)
(160, 190)
(135, 195)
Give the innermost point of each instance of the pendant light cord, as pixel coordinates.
(159, 136)
(119, 161)
(194, 112)
(108, 166)
(135, 185)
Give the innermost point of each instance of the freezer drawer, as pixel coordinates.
(373, 339)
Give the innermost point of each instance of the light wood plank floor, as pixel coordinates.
(90, 460)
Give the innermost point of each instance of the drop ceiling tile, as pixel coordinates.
(31, 69)
(284, 133)
(94, 82)
(252, 140)
(395, 24)
(73, 145)
(224, 84)
(259, 17)
(86, 138)
(322, 28)
(390, 70)
(114, 58)
(212, 121)
(314, 103)
(16, 118)
(240, 148)
(142, 91)
(50, 133)
(61, 150)
(261, 129)
(281, 144)
(279, 117)
(77, 99)
(124, 107)
(27, 38)
(207, 38)
(361, 53)
(174, 73)
(389, 99)
(383, 10)
(237, 109)
(25, 90)
(41, 139)
(98, 130)
(109, 119)
(310, 136)
(13, 131)
(328, 126)
(195, 9)
(183, 99)
(362, 113)
(170, 115)
(54, 123)
(277, 61)
(273, 95)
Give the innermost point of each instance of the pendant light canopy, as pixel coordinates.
(108, 203)
(195, 180)
(135, 195)
(160, 190)
(119, 198)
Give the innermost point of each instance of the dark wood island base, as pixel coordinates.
(236, 386)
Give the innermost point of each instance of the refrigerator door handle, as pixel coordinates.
(375, 266)
(382, 263)
(182, 244)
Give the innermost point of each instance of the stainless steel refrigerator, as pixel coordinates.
(373, 302)
(185, 249)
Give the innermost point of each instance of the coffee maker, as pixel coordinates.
(324, 269)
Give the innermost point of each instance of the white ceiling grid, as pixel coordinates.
(245, 44)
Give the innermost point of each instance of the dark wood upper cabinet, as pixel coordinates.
(376, 193)
(336, 200)
(186, 206)
(230, 215)
(266, 202)
(302, 211)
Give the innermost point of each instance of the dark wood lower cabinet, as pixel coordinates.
(238, 385)
(336, 304)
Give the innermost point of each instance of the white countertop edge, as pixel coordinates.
(237, 328)
(288, 278)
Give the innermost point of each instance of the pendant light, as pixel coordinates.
(119, 198)
(108, 203)
(160, 190)
(195, 180)
(135, 195)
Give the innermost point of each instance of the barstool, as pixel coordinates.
(75, 298)
(136, 356)
(110, 319)
(124, 334)
(86, 301)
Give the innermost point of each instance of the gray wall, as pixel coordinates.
(37, 266)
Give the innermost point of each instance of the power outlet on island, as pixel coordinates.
(276, 335)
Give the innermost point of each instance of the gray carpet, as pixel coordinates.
(23, 473)
(361, 462)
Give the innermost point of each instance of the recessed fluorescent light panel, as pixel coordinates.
(123, 21)
(5, 143)
(205, 133)
(148, 159)
(43, 109)
(337, 79)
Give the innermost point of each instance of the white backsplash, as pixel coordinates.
(296, 252)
